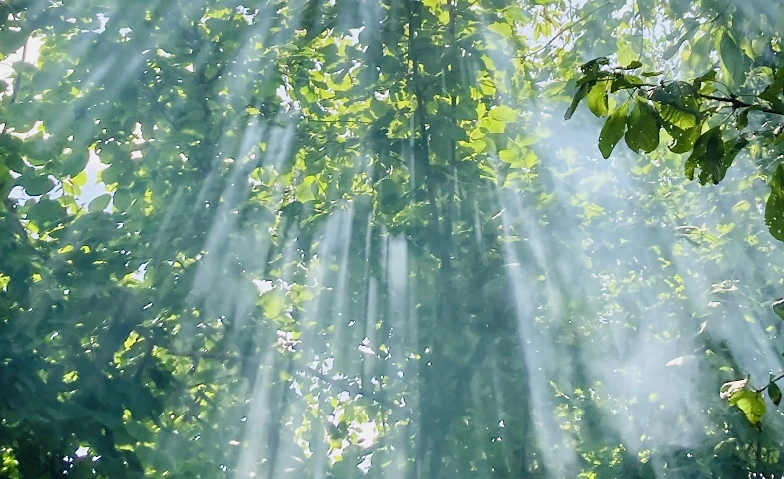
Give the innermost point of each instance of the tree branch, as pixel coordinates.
(776, 379)
(741, 104)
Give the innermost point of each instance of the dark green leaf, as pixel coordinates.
(625, 82)
(74, 163)
(774, 209)
(642, 132)
(707, 77)
(733, 61)
(708, 155)
(778, 308)
(684, 140)
(772, 93)
(36, 185)
(743, 118)
(774, 392)
(581, 93)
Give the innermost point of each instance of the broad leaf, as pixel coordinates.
(642, 132)
(733, 60)
(597, 98)
(613, 130)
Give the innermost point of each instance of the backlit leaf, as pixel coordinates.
(613, 130)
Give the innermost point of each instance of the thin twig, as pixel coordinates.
(741, 104)
(776, 379)
(565, 29)
(18, 79)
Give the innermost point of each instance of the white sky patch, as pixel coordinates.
(30, 56)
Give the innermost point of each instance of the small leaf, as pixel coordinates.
(774, 209)
(99, 203)
(778, 308)
(774, 392)
(592, 67)
(625, 82)
(704, 78)
(772, 92)
(633, 65)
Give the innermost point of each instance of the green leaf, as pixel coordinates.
(751, 403)
(642, 132)
(709, 156)
(503, 113)
(597, 98)
(74, 163)
(774, 392)
(679, 95)
(99, 203)
(778, 308)
(772, 93)
(677, 118)
(671, 51)
(710, 76)
(517, 14)
(592, 68)
(273, 303)
(46, 211)
(625, 82)
(502, 29)
(731, 150)
(743, 118)
(613, 130)
(122, 199)
(581, 92)
(390, 196)
(732, 60)
(774, 209)
(36, 185)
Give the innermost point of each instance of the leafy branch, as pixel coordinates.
(773, 382)
(685, 111)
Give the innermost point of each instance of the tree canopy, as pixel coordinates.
(390, 238)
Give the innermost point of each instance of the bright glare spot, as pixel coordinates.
(263, 286)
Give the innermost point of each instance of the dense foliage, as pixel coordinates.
(347, 238)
